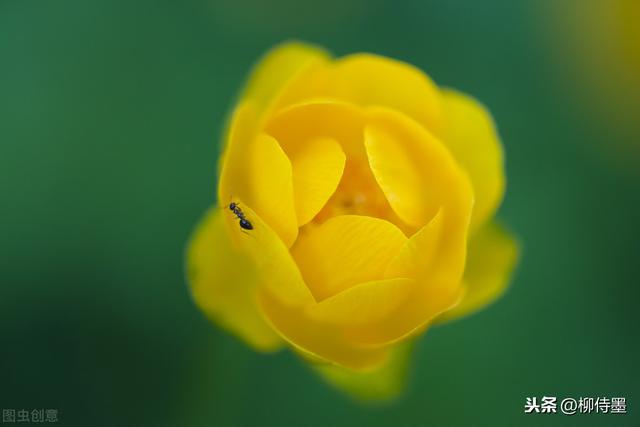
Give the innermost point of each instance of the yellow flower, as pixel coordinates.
(364, 190)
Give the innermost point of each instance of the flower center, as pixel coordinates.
(359, 194)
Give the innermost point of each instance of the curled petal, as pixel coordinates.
(319, 341)
(435, 254)
(493, 254)
(416, 172)
(363, 303)
(300, 123)
(411, 193)
(271, 187)
(317, 169)
(423, 304)
(223, 283)
(344, 251)
(256, 170)
(419, 255)
(278, 273)
(434, 259)
(278, 68)
(234, 180)
(471, 136)
(368, 80)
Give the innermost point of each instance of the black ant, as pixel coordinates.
(244, 222)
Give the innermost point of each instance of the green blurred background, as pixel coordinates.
(110, 113)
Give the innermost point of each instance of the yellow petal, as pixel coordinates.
(435, 260)
(434, 254)
(397, 172)
(344, 251)
(317, 340)
(386, 311)
(383, 383)
(317, 169)
(223, 284)
(271, 187)
(234, 179)
(363, 303)
(417, 257)
(257, 171)
(434, 257)
(493, 253)
(300, 123)
(277, 272)
(421, 307)
(278, 68)
(471, 136)
(368, 80)
(414, 169)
